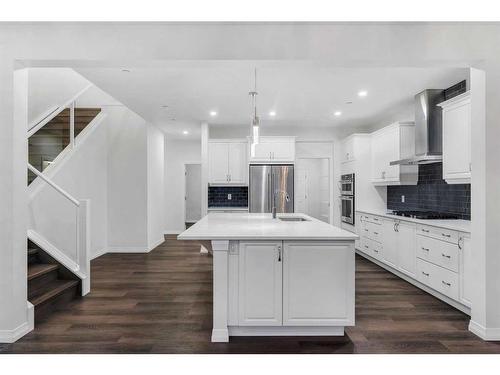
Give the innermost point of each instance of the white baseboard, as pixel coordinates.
(173, 231)
(488, 334)
(156, 243)
(284, 331)
(99, 253)
(127, 249)
(10, 336)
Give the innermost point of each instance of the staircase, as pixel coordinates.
(50, 140)
(50, 285)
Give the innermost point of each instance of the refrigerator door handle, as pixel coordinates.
(269, 204)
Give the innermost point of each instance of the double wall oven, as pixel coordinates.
(347, 198)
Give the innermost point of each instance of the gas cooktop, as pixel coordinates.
(426, 215)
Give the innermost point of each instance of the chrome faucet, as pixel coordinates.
(287, 198)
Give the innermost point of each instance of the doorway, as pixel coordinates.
(313, 188)
(192, 196)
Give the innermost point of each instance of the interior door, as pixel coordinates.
(260, 283)
(193, 193)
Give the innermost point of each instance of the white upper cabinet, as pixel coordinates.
(394, 142)
(227, 163)
(273, 150)
(457, 139)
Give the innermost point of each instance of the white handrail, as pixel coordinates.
(61, 108)
(54, 185)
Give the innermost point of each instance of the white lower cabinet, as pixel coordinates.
(314, 277)
(260, 283)
(436, 257)
(406, 247)
(291, 283)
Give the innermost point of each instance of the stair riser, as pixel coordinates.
(61, 301)
(39, 282)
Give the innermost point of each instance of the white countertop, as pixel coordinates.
(256, 226)
(458, 225)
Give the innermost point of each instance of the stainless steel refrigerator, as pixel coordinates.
(271, 185)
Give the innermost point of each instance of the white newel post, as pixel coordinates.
(220, 250)
(83, 239)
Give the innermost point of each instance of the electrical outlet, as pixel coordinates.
(402, 199)
(229, 197)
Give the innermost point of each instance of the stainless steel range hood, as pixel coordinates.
(428, 129)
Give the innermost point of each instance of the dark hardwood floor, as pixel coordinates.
(161, 303)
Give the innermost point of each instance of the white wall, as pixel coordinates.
(156, 189)
(177, 153)
(127, 181)
(51, 86)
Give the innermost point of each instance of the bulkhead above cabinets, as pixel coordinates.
(272, 150)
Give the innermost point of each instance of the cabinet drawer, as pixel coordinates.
(371, 219)
(374, 231)
(439, 233)
(371, 248)
(444, 254)
(438, 278)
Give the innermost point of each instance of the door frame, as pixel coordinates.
(184, 190)
(330, 182)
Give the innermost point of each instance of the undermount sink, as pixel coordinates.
(292, 218)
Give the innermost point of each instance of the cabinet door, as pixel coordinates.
(318, 284)
(283, 151)
(237, 163)
(466, 288)
(456, 142)
(406, 247)
(390, 248)
(260, 284)
(391, 152)
(262, 151)
(377, 151)
(218, 163)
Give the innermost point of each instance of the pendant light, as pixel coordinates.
(255, 123)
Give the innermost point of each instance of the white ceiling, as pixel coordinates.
(302, 94)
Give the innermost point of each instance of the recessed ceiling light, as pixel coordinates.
(362, 93)
(272, 113)
(213, 113)
(337, 113)
(185, 132)
(126, 70)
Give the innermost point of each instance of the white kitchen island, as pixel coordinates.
(277, 277)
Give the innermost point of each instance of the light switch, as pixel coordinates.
(402, 199)
(229, 197)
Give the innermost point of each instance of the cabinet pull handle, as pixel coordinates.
(425, 273)
(446, 235)
(375, 233)
(366, 230)
(445, 283)
(425, 249)
(460, 240)
(366, 246)
(445, 256)
(375, 251)
(279, 253)
(425, 230)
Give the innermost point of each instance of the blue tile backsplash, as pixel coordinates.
(217, 196)
(431, 193)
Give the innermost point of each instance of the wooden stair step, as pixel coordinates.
(38, 269)
(52, 290)
(32, 251)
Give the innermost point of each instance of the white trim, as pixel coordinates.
(10, 336)
(53, 251)
(128, 249)
(42, 117)
(488, 334)
(59, 189)
(99, 253)
(156, 243)
(285, 331)
(173, 231)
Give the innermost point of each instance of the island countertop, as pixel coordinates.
(261, 226)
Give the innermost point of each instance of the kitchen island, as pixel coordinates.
(288, 276)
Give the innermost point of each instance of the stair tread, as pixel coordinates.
(51, 290)
(38, 269)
